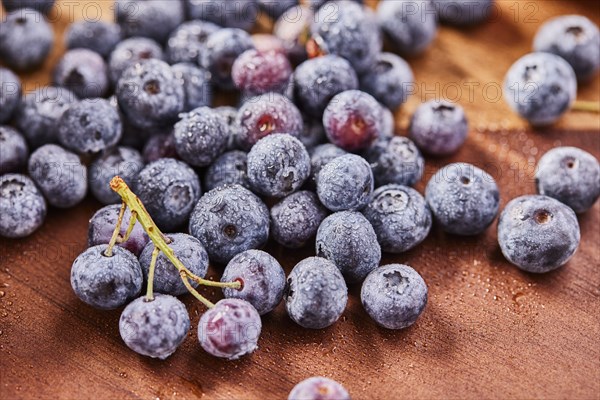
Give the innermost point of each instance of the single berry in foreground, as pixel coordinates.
(201, 136)
(438, 128)
(106, 282)
(154, 328)
(296, 218)
(538, 233)
(230, 329)
(571, 176)
(318, 388)
(102, 225)
(394, 296)
(316, 293)
(345, 183)
(22, 206)
(261, 277)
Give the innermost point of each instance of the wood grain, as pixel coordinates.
(489, 330)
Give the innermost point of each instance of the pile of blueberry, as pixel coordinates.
(313, 135)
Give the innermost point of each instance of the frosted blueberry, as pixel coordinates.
(396, 161)
(390, 80)
(222, 48)
(122, 161)
(22, 206)
(538, 233)
(320, 388)
(13, 150)
(26, 38)
(394, 296)
(10, 96)
(201, 136)
(98, 36)
(160, 145)
(256, 72)
(296, 218)
(321, 155)
(196, 85)
(130, 52)
(187, 43)
(438, 128)
(83, 72)
(345, 183)
(411, 25)
(228, 168)
(102, 225)
(154, 19)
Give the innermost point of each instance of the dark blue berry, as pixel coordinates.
(540, 87)
(83, 72)
(400, 217)
(154, 328)
(318, 80)
(201, 136)
(167, 280)
(102, 225)
(345, 183)
(222, 49)
(25, 39)
(22, 206)
(316, 293)
(296, 218)
(228, 13)
(228, 220)
(321, 155)
(229, 168)
(463, 12)
(348, 240)
(106, 282)
(122, 161)
(98, 36)
(576, 39)
(10, 96)
(261, 277)
(90, 126)
(150, 95)
(278, 165)
(196, 85)
(389, 80)
(318, 387)
(59, 174)
(187, 43)
(255, 72)
(155, 19)
(130, 52)
(160, 145)
(43, 6)
(538, 233)
(394, 296)
(438, 127)
(571, 176)
(230, 115)
(396, 160)
(13, 150)
(463, 199)
(348, 30)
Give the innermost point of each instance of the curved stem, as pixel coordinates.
(149, 290)
(588, 106)
(115, 235)
(132, 221)
(206, 282)
(194, 292)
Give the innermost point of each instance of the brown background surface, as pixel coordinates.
(489, 330)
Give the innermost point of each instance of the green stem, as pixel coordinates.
(194, 292)
(132, 222)
(149, 290)
(115, 235)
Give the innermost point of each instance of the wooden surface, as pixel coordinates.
(489, 330)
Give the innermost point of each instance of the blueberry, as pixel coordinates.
(13, 150)
(22, 206)
(196, 85)
(316, 293)
(25, 39)
(296, 218)
(276, 8)
(102, 225)
(278, 165)
(122, 161)
(154, 328)
(262, 279)
(394, 296)
(37, 117)
(228, 13)
(576, 39)
(230, 329)
(201, 136)
(155, 19)
(410, 25)
(321, 155)
(188, 41)
(255, 72)
(228, 220)
(264, 115)
(348, 30)
(90, 126)
(347, 239)
(540, 87)
(160, 145)
(396, 161)
(98, 36)
(291, 29)
(43, 6)
(106, 282)
(463, 199)
(130, 52)
(571, 176)
(222, 48)
(463, 12)
(10, 96)
(389, 80)
(538, 233)
(169, 190)
(83, 72)
(318, 80)
(167, 280)
(400, 217)
(353, 120)
(345, 183)
(59, 174)
(229, 168)
(150, 95)
(230, 115)
(318, 387)
(438, 128)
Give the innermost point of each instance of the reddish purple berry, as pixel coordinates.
(257, 72)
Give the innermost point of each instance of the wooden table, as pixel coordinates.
(489, 330)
